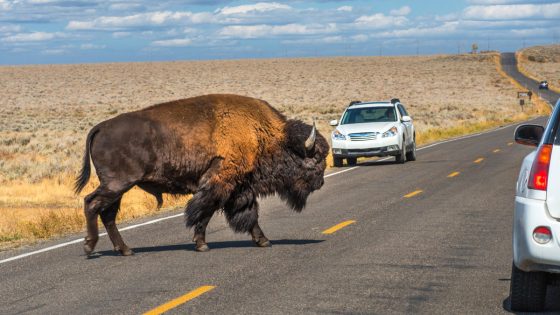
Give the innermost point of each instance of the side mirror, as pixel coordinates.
(334, 123)
(406, 119)
(529, 134)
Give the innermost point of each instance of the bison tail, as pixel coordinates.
(83, 178)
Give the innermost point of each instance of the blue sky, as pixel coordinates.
(75, 31)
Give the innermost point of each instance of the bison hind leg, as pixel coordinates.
(108, 217)
(95, 203)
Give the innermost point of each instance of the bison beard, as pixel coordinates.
(227, 150)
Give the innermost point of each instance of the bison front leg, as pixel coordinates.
(198, 213)
(258, 237)
(242, 214)
(200, 235)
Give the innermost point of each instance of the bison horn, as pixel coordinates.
(310, 142)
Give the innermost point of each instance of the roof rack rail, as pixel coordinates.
(354, 103)
(395, 100)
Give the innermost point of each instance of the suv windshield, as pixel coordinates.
(368, 115)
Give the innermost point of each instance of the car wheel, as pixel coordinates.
(411, 155)
(337, 162)
(401, 157)
(351, 161)
(527, 290)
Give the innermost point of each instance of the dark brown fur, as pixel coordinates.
(227, 150)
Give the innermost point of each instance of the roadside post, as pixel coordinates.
(522, 96)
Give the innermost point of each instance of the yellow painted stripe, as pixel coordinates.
(453, 174)
(339, 226)
(510, 143)
(180, 300)
(478, 160)
(414, 193)
(496, 151)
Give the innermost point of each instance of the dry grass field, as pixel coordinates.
(46, 112)
(542, 63)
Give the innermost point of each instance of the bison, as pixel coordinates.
(226, 150)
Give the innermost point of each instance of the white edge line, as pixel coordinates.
(46, 249)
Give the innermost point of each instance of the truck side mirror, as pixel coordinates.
(530, 135)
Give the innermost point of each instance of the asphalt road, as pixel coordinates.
(509, 64)
(444, 250)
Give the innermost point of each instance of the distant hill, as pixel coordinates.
(542, 63)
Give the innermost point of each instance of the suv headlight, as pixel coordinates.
(390, 133)
(337, 135)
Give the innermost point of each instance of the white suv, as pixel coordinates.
(373, 129)
(536, 226)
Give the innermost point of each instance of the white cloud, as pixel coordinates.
(122, 6)
(446, 28)
(5, 5)
(380, 21)
(158, 18)
(10, 28)
(360, 38)
(262, 30)
(178, 42)
(333, 39)
(31, 37)
(246, 31)
(53, 51)
(401, 11)
(257, 7)
(345, 8)
(90, 46)
(121, 34)
(512, 12)
(488, 2)
(530, 32)
(321, 40)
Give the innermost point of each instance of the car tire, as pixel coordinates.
(351, 161)
(411, 155)
(337, 162)
(401, 157)
(527, 290)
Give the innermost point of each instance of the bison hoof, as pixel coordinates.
(125, 252)
(89, 246)
(202, 248)
(263, 242)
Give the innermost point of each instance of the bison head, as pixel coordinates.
(304, 164)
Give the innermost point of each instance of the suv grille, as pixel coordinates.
(363, 136)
